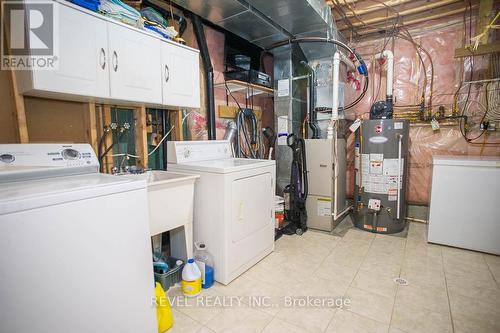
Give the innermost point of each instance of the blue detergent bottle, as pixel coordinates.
(205, 262)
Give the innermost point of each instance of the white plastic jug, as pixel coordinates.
(191, 279)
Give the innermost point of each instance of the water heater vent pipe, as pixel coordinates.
(387, 54)
(335, 94)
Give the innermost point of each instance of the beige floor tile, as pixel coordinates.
(346, 258)
(495, 271)
(262, 295)
(430, 298)
(417, 231)
(413, 319)
(202, 308)
(387, 241)
(491, 259)
(465, 325)
(243, 320)
(205, 329)
(350, 322)
(304, 262)
(274, 259)
(422, 263)
(423, 249)
(339, 275)
(280, 326)
(471, 270)
(335, 287)
(467, 312)
(380, 267)
(393, 329)
(472, 286)
(183, 323)
(424, 276)
(484, 289)
(461, 256)
(382, 285)
(370, 305)
(355, 234)
(311, 319)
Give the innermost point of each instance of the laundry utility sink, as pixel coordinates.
(170, 199)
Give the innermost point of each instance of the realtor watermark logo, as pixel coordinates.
(30, 40)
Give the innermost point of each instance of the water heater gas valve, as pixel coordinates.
(374, 204)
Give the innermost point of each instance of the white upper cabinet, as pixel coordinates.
(106, 61)
(83, 58)
(180, 76)
(135, 64)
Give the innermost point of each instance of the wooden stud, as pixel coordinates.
(91, 125)
(481, 49)
(180, 130)
(19, 111)
(175, 117)
(141, 137)
(231, 112)
(484, 18)
(108, 160)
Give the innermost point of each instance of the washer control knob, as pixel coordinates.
(7, 158)
(70, 154)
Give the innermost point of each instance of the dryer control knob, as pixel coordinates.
(7, 158)
(70, 154)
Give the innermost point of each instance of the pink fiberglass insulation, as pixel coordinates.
(408, 83)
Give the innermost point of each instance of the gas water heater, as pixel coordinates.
(380, 167)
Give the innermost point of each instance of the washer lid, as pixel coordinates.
(224, 165)
(23, 195)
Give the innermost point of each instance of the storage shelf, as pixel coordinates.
(249, 88)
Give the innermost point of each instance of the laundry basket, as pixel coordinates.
(173, 276)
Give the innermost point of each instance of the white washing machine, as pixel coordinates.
(75, 251)
(234, 203)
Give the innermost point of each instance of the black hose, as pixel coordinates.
(99, 147)
(101, 156)
(209, 74)
(304, 168)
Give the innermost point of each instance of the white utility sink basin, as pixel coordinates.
(170, 198)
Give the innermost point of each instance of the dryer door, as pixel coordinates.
(252, 227)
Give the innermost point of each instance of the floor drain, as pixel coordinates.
(401, 281)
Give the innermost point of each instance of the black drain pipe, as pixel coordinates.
(209, 74)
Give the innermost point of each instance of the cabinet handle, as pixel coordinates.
(102, 58)
(167, 73)
(115, 61)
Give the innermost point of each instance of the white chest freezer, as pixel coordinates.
(464, 208)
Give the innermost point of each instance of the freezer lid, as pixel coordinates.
(471, 161)
(223, 165)
(30, 194)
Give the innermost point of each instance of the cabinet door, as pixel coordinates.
(83, 57)
(135, 65)
(180, 76)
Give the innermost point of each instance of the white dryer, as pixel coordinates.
(234, 203)
(75, 249)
